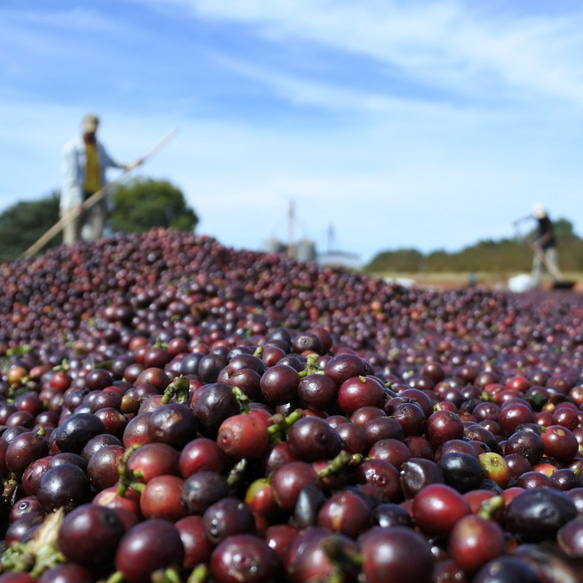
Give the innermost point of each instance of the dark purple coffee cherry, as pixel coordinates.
(90, 534)
(65, 486)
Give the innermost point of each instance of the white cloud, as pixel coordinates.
(444, 43)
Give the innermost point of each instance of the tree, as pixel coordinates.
(401, 261)
(22, 224)
(142, 204)
(564, 228)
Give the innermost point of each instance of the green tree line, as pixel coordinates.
(502, 256)
(138, 206)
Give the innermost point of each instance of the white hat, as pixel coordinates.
(539, 211)
(90, 123)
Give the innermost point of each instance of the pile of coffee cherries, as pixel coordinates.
(172, 410)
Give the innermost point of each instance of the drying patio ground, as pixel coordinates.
(444, 281)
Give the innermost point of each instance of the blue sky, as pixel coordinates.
(391, 124)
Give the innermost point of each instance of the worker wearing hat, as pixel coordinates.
(86, 162)
(545, 247)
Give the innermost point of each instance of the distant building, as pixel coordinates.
(339, 259)
(273, 245)
(305, 249)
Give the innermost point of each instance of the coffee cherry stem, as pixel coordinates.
(537, 400)
(47, 557)
(11, 394)
(159, 343)
(278, 429)
(40, 553)
(121, 489)
(490, 506)
(130, 482)
(105, 364)
(236, 474)
(311, 366)
(127, 477)
(19, 350)
(242, 399)
(9, 488)
(116, 577)
(341, 461)
(343, 560)
(165, 576)
(64, 366)
(179, 388)
(136, 487)
(17, 558)
(199, 574)
(286, 422)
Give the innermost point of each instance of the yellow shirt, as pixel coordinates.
(92, 182)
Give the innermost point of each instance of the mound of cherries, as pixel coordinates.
(201, 429)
